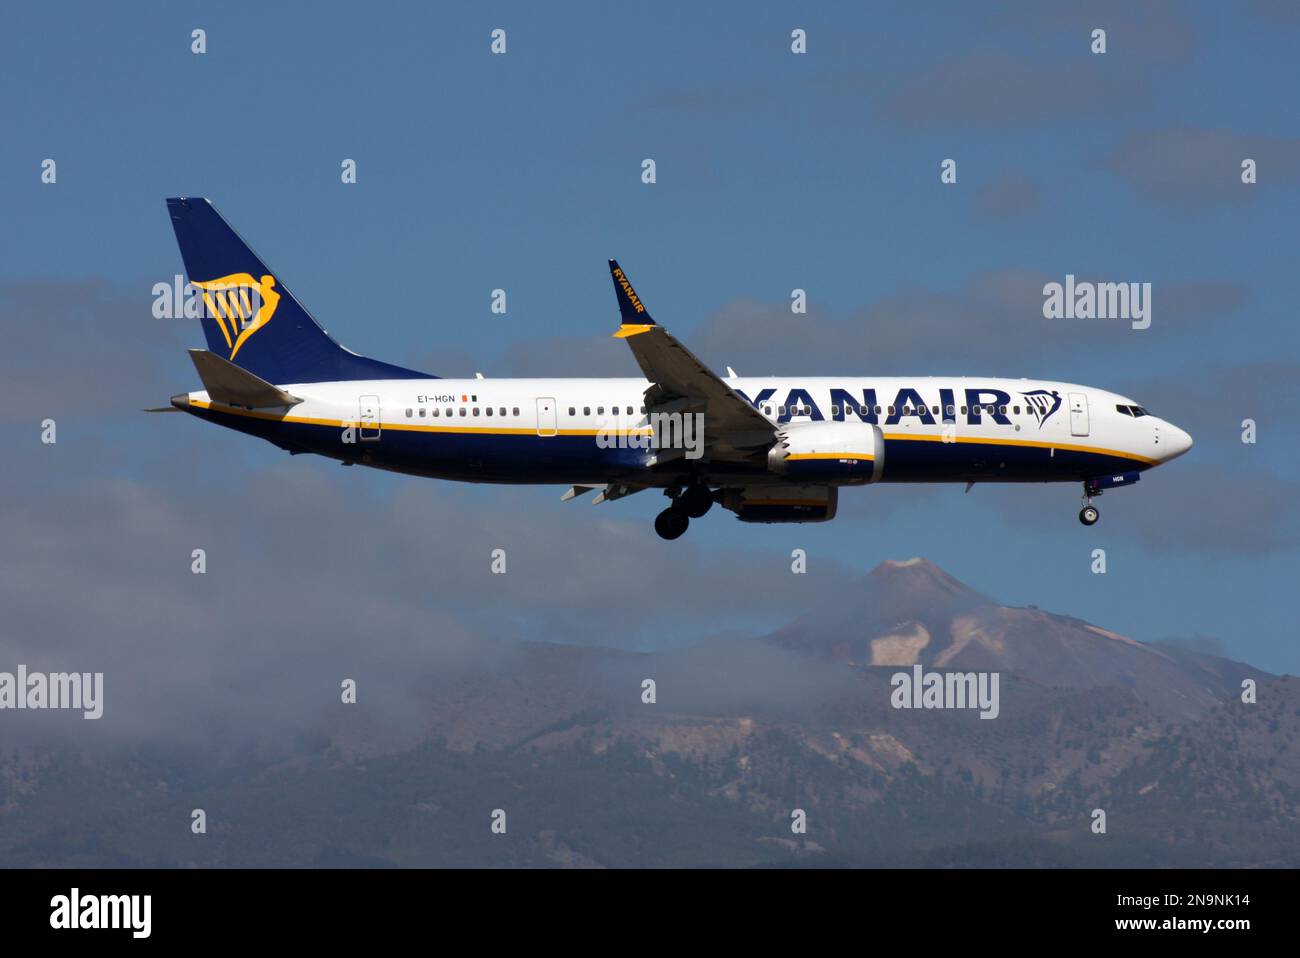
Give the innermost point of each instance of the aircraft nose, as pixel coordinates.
(1173, 442)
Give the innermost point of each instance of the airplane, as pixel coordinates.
(769, 449)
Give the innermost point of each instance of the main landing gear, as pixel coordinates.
(690, 503)
(1089, 515)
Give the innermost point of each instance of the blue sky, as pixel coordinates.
(775, 171)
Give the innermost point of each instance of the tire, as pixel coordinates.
(1088, 515)
(695, 501)
(671, 523)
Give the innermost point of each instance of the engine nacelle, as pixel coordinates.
(782, 503)
(842, 453)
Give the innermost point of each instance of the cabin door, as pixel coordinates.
(546, 417)
(1078, 414)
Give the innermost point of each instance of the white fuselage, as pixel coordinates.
(935, 429)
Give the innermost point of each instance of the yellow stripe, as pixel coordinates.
(632, 329)
(511, 431)
(830, 455)
(1033, 443)
(407, 427)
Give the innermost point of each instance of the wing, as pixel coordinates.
(733, 429)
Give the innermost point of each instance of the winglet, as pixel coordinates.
(635, 317)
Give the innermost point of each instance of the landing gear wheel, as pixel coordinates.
(695, 501)
(1088, 515)
(671, 523)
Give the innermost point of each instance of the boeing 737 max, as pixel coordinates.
(769, 449)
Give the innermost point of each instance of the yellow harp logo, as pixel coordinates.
(240, 305)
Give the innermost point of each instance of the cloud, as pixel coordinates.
(1191, 168)
(1011, 196)
(87, 349)
(1002, 89)
(730, 676)
(316, 574)
(1195, 642)
(1229, 510)
(992, 322)
(1212, 401)
(1220, 509)
(1157, 30)
(595, 355)
(1049, 77)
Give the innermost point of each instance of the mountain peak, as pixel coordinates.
(920, 577)
(911, 612)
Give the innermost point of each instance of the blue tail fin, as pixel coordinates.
(250, 317)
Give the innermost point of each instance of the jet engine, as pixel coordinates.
(840, 453)
(782, 503)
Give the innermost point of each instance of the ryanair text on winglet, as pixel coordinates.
(53, 690)
(629, 291)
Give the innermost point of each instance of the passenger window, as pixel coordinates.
(780, 410)
(586, 410)
(422, 412)
(767, 410)
(434, 413)
(476, 410)
(571, 411)
(1002, 410)
(516, 410)
(877, 410)
(835, 412)
(488, 411)
(951, 411)
(408, 414)
(963, 410)
(600, 410)
(629, 410)
(934, 410)
(462, 410)
(643, 410)
(891, 410)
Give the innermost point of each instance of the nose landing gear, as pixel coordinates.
(1089, 514)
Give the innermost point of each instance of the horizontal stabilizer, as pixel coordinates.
(235, 386)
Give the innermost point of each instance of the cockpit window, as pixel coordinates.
(1138, 411)
(1126, 410)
